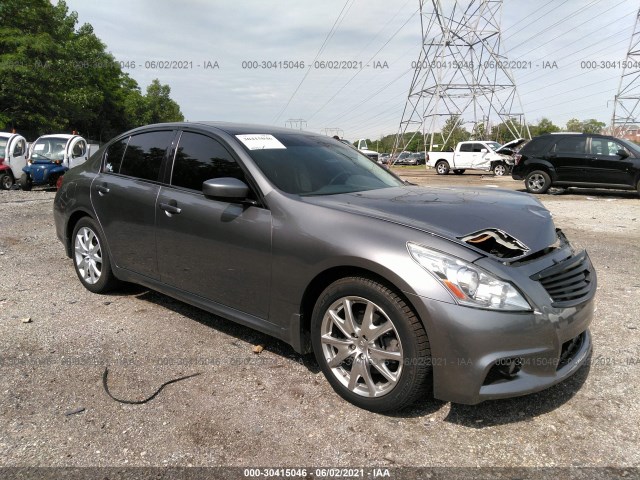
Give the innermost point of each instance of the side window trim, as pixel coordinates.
(105, 157)
(232, 154)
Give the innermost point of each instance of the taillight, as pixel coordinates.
(516, 158)
(59, 182)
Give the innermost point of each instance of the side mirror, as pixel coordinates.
(622, 153)
(225, 188)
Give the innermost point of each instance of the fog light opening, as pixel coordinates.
(509, 367)
(503, 370)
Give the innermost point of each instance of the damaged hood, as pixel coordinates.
(464, 215)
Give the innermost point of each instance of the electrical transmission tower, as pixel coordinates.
(625, 103)
(460, 76)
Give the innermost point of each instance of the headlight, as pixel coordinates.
(469, 284)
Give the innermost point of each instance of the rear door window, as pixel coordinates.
(200, 158)
(144, 154)
(113, 156)
(570, 145)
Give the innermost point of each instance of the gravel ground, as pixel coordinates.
(275, 408)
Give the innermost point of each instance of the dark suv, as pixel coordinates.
(578, 160)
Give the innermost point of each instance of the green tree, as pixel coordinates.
(574, 125)
(592, 126)
(452, 133)
(543, 127)
(159, 105)
(54, 77)
(479, 132)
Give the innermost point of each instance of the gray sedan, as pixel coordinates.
(400, 291)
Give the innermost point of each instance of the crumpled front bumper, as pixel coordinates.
(471, 347)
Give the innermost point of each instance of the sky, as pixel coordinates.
(232, 57)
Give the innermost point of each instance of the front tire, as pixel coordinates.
(370, 345)
(90, 257)
(442, 167)
(537, 181)
(6, 181)
(25, 182)
(499, 169)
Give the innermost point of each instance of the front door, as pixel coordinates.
(16, 155)
(215, 249)
(607, 166)
(77, 152)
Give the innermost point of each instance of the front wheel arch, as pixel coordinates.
(321, 281)
(355, 372)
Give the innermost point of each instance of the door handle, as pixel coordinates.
(103, 190)
(170, 208)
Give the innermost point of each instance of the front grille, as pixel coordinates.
(569, 281)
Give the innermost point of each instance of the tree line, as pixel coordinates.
(501, 133)
(56, 77)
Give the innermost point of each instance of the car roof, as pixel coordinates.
(66, 136)
(233, 128)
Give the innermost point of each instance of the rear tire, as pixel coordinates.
(370, 345)
(442, 167)
(6, 181)
(537, 181)
(25, 182)
(90, 257)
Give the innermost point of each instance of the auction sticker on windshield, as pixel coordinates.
(260, 141)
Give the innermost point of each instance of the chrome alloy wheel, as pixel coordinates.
(361, 346)
(88, 255)
(536, 182)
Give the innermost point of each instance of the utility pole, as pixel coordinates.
(330, 132)
(625, 103)
(460, 73)
(298, 122)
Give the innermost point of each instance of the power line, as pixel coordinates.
(320, 50)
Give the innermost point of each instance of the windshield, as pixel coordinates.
(313, 165)
(494, 145)
(51, 148)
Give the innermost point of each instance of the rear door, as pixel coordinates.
(569, 155)
(124, 198)
(213, 248)
(607, 166)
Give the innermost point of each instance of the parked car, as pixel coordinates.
(418, 158)
(578, 160)
(401, 158)
(398, 290)
(13, 157)
(477, 155)
(50, 156)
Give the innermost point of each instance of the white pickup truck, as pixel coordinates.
(13, 156)
(475, 155)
